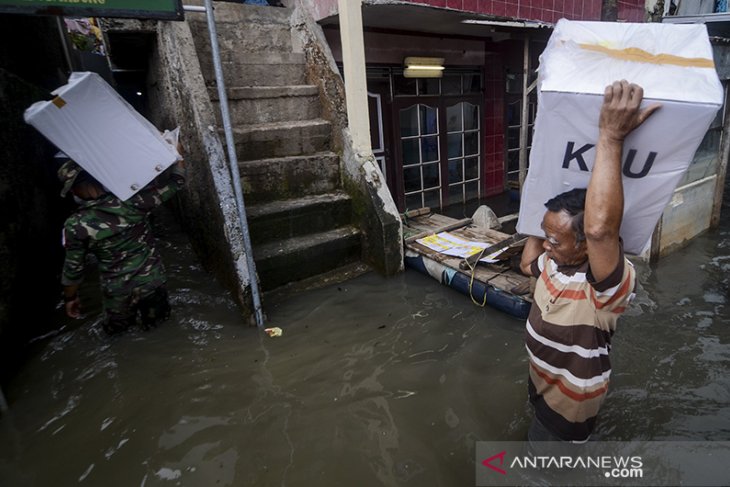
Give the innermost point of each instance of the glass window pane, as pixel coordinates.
(456, 171)
(429, 120)
(455, 146)
(410, 151)
(513, 138)
(471, 168)
(431, 176)
(472, 83)
(513, 160)
(429, 86)
(456, 194)
(413, 201)
(453, 118)
(472, 190)
(403, 86)
(429, 149)
(432, 199)
(514, 114)
(408, 121)
(471, 143)
(471, 116)
(412, 179)
(373, 113)
(451, 84)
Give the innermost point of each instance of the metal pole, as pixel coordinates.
(3, 402)
(64, 44)
(524, 117)
(233, 159)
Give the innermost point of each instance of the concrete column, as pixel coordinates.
(353, 60)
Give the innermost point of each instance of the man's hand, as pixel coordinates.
(72, 301)
(621, 113)
(73, 308)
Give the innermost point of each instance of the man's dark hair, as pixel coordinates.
(572, 202)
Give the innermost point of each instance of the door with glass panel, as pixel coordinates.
(440, 151)
(420, 155)
(464, 151)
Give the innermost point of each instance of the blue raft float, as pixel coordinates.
(498, 286)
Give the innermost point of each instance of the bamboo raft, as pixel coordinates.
(497, 285)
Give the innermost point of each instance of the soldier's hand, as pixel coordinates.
(73, 308)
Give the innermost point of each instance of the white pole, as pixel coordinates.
(353, 60)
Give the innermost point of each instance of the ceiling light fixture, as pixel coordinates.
(423, 67)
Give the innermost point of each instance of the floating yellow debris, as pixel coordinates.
(274, 332)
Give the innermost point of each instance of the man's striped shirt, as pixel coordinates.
(568, 339)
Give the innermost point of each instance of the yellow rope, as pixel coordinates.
(473, 269)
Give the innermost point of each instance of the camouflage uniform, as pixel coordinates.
(118, 234)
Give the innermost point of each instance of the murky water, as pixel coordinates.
(374, 382)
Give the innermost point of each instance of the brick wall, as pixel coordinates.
(544, 10)
(493, 124)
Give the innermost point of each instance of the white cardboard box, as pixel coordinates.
(580, 60)
(97, 128)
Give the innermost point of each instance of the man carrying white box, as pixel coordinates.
(584, 283)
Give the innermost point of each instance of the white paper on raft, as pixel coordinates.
(571, 83)
(97, 128)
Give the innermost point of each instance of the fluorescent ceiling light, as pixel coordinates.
(423, 67)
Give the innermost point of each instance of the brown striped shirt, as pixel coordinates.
(568, 339)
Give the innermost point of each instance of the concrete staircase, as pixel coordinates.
(300, 220)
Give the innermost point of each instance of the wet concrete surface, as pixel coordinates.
(374, 382)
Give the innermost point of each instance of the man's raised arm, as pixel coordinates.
(620, 114)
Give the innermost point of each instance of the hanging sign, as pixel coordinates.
(136, 9)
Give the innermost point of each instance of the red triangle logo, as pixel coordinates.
(500, 456)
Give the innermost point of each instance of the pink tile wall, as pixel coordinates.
(493, 143)
(544, 10)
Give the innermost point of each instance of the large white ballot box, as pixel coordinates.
(97, 128)
(673, 63)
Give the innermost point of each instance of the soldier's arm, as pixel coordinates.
(620, 115)
(156, 193)
(73, 271)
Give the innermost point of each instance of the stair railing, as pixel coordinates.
(232, 157)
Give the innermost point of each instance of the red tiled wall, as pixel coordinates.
(545, 10)
(493, 125)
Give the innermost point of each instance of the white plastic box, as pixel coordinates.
(97, 128)
(673, 63)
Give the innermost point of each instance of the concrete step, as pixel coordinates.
(228, 12)
(282, 139)
(268, 104)
(337, 275)
(285, 219)
(289, 177)
(256, 70)
(242, 38)
(293, 259)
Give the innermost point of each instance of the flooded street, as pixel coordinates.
(374, 382)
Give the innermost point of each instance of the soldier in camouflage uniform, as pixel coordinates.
(118, 234)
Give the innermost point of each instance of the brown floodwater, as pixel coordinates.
(374, 382)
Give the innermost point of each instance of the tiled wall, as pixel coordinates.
(545, 10)
(493, 125)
